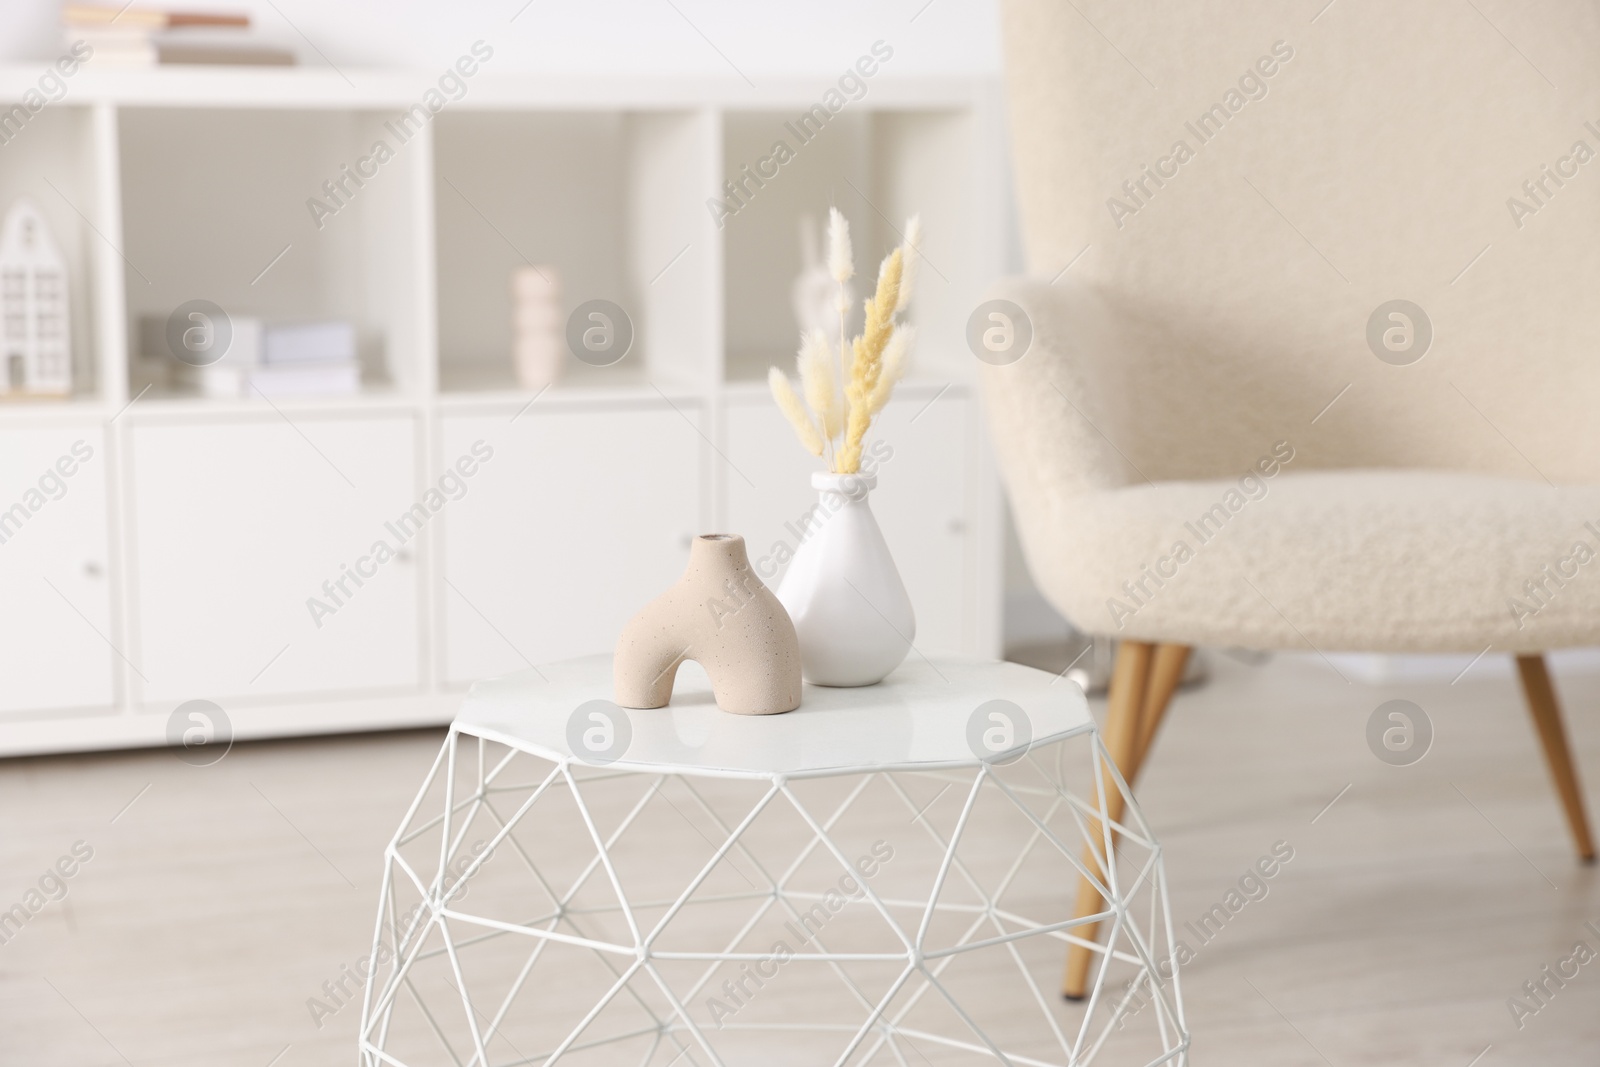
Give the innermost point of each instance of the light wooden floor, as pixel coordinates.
(1419, 902)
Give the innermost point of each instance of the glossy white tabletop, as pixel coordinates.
(928, 713)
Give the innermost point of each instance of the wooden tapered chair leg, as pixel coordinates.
(1124, 715)
(1166, 672)
(1546, 714)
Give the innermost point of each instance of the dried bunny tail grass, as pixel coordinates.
(881, 308)
(818, 382)
(864, 375)
(866, 370)
(793, 410)
(894, 367)
(841, 264)
(912, 247)
(848, 459)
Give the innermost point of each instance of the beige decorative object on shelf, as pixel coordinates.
(537, 337)
(722, 617)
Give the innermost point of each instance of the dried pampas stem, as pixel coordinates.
(793, 410)
(894, 367)
(867, 368)
(819, 384)
(913, 252)
(841, 263)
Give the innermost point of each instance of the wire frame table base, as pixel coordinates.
(545, 911)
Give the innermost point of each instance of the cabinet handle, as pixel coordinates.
(91, 569)
(403, 555)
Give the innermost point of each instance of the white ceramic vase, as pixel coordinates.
(848, 604)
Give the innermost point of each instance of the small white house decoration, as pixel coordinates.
(35, 342)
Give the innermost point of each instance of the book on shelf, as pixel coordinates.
(144, 37)
(183, 54)
(244, 341)
(134, 53)
(333, 341)
(330, 378)
(308, 359)
(219, 381)
(147, 18)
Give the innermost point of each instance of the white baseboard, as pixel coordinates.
(1381, 669)
(148, 729)
(1030, 620)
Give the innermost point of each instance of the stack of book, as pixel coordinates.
(145, 37)
(289, 359)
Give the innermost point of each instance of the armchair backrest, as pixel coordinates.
(1245, 188)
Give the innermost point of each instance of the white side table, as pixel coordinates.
(883, 876)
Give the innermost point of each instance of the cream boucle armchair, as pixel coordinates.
(1225, 430)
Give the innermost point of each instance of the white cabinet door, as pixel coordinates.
(920, 501)
(578, 521)
(55, 630)
(258, 568)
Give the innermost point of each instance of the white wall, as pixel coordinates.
(764, 37)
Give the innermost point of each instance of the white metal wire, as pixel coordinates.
(1141, 944)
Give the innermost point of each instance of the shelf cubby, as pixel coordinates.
(51, 159)
(235, 207)
(604, 202)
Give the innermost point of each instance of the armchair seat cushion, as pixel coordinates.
(1357, 560)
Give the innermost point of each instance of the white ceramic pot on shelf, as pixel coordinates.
(842, 590)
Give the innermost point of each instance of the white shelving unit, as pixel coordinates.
(178, 562)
